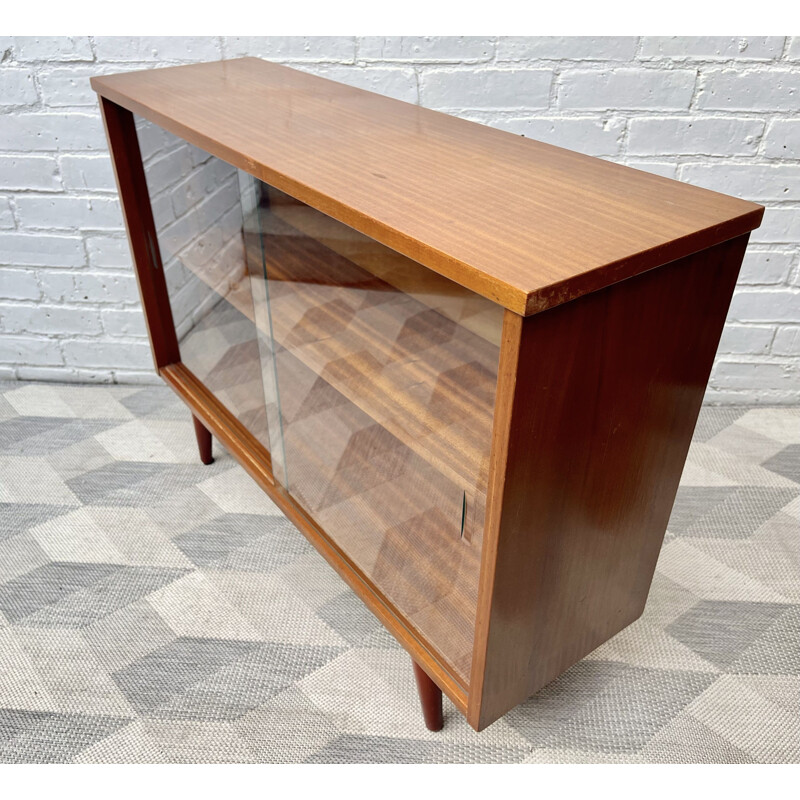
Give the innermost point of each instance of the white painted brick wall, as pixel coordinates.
(722, 112)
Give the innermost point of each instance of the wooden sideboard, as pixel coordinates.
(466, 365)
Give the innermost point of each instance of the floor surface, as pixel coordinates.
(155, 610)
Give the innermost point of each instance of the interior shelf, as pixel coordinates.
(401, 361)
(386, 352)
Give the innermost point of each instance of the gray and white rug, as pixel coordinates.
(152, 610)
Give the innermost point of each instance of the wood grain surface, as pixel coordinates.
(597, 402)
(523, 223)
(126, 158)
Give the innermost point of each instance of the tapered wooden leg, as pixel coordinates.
(203, 435)
(430, 696)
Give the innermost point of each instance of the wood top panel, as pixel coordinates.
(525, 224)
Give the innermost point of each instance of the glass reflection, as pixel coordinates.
(370, 378)
(385, 375)
(197, 211)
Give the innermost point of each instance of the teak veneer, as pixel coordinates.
(466, 365)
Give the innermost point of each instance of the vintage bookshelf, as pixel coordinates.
(466, 365)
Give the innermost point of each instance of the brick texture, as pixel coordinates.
(716, 111)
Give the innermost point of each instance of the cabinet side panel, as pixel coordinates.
(127, 160)
(607, 395)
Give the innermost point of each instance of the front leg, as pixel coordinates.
(203, 435)
(430, 696)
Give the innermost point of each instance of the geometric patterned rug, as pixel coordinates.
(156, 610)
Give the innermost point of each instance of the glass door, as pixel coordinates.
(384, 376)
(369, 378)
(197, 210)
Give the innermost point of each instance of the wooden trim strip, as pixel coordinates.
(236, 439)
(135, 199)
(507, 372)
